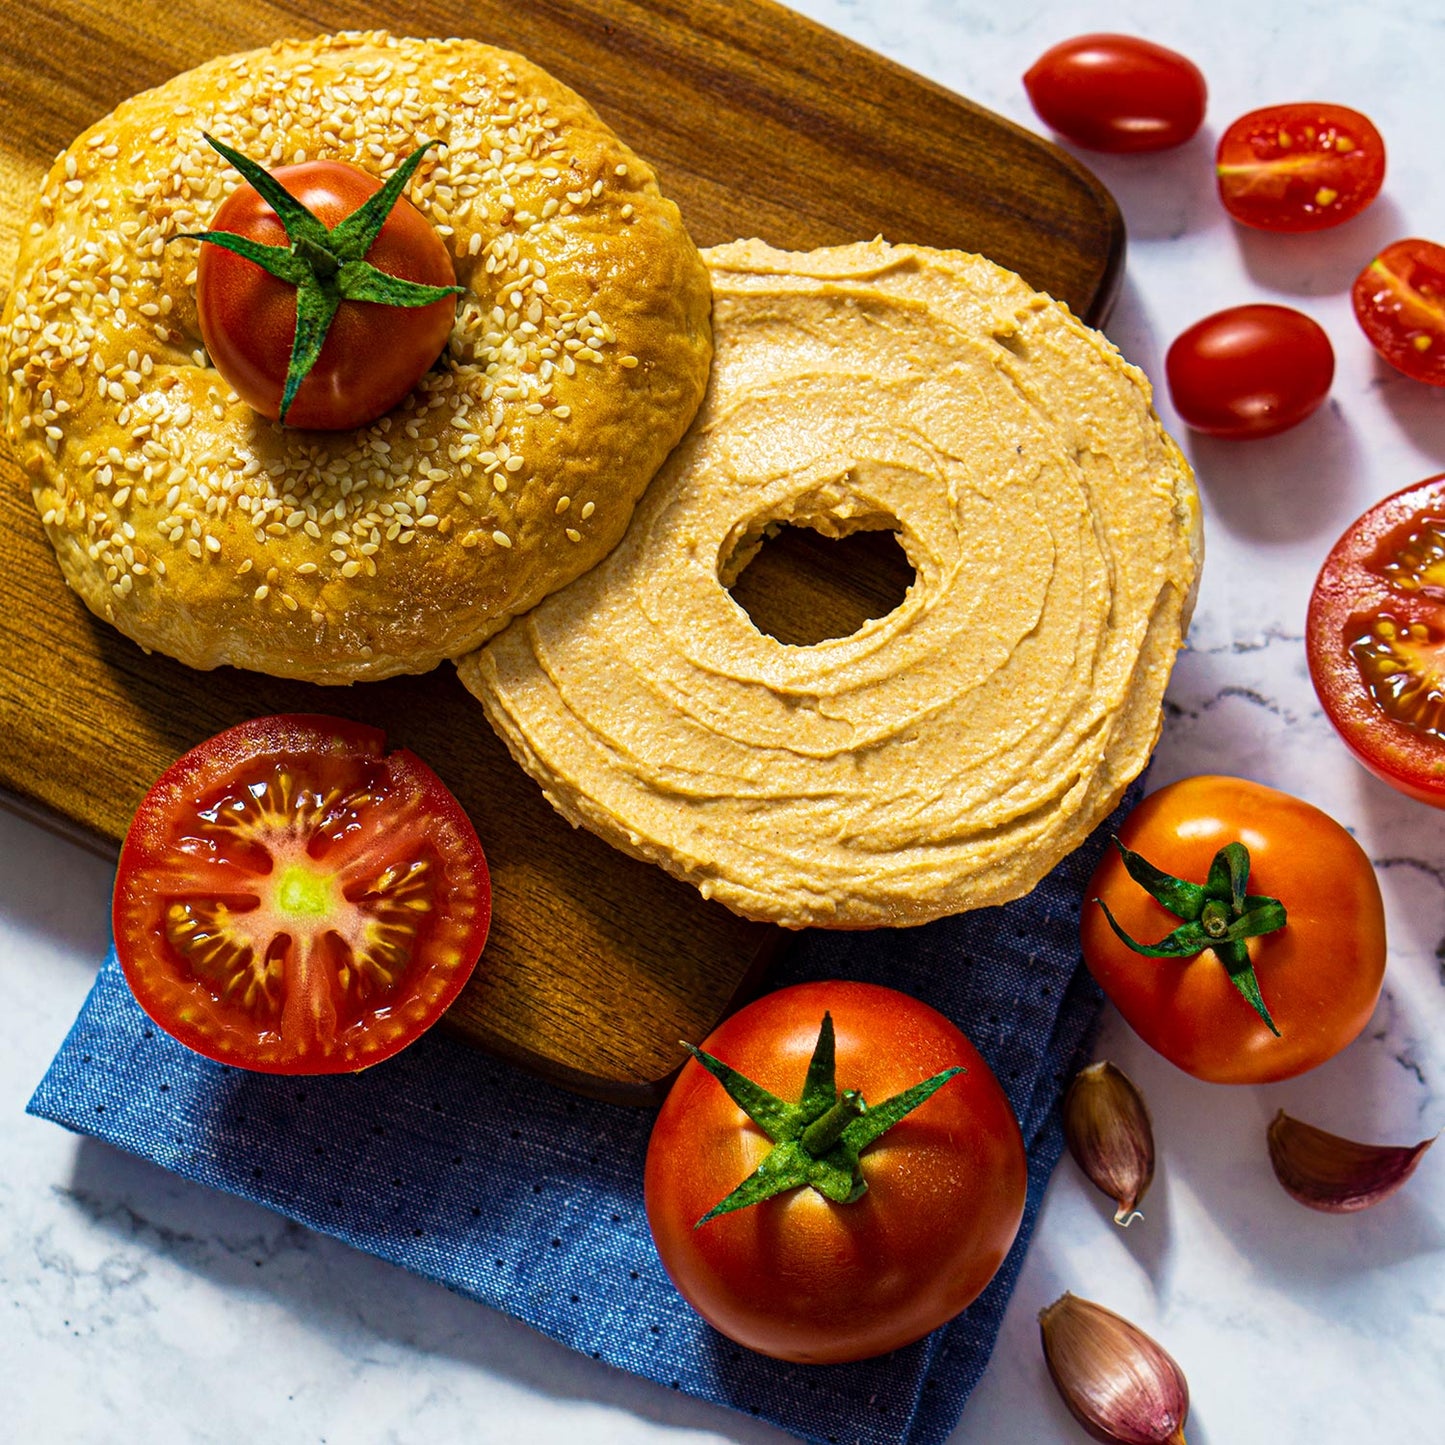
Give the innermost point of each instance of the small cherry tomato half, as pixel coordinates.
(1319, 974)
(1399, 301)
(1117, 93)
(373, 355)
(1375, 639)
(292, 898)
(1249, 371)
(937, 1199)
(1299, 167)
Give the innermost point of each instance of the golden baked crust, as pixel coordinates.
(943, 757)
(203, 531)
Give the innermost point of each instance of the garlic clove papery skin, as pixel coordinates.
(1118, 1383)
(1111, 1136)
(1336, 1175)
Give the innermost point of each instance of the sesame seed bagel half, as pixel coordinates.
(945, 756)
(200, 529)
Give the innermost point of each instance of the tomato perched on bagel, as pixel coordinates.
(293, 898)
(868, 1227)
(1239, 931)
(323, 295)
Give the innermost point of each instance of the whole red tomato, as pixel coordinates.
(798, 1276)
(373, 355)
(1299, 167)
(1117, 93)
(295, 899)
(1319, 975)
(1399, 301)
(1249, 371)
(1374, 638)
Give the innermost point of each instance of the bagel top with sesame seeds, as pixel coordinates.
(204, 531)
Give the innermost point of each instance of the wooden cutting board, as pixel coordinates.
(760, 123)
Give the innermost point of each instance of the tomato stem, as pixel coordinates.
(1218, 914)
(816, 1141)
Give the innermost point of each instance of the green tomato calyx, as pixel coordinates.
(1217, 914)
(816, 1141)
(326, 266)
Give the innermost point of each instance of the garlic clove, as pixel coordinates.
(1119, 1384)
(1336, 1175)
(1109, 1133)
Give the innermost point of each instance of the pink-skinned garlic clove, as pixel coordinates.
(1110, 1135)
(1333, 1174)
(1119, 1384)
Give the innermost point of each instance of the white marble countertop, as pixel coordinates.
(138, 1306)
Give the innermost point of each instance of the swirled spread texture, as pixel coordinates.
(579, 355)
(943, 757)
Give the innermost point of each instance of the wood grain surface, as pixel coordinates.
(760, 123)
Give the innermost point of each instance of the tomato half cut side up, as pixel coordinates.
(1375, 639)
(1399, 301)
(293, 898)
(1301, 167)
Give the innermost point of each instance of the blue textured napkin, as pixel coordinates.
(533, 1203)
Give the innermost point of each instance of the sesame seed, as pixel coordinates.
(501, 539)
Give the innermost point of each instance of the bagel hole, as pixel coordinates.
(802, 588)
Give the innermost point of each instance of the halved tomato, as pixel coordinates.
(1375, 639)
(293, 898)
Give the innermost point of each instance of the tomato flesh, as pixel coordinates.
(1299, 167)
(1375, 639)
(1249, 371)
(373, 356)
(797, 1276)
(294, 899)
(1117, 93)
(1399, 301)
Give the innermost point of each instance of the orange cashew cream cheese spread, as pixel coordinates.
(943, 757)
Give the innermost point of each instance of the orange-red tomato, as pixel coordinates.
(1299, 167)
(374, 354)
(796, 1276)
(292, 898)
(1375, 639)
(1320, 974)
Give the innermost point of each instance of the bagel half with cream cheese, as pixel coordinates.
(943, 757)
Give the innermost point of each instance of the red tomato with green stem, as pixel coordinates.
(369, 331)
(1399, 301)
(293, 898)
(1375, 639)
(1263, 966)
(1249, 371)
(1301, 167)
(841, 1255)
(1117, 93)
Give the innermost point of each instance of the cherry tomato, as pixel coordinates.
(1299, 167)
(374, 354)
(1319, 975)
(1249, 371)
(1117, 93)
(293, 898)
(797, 1276)
(1399, 301)
(1375, 639)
